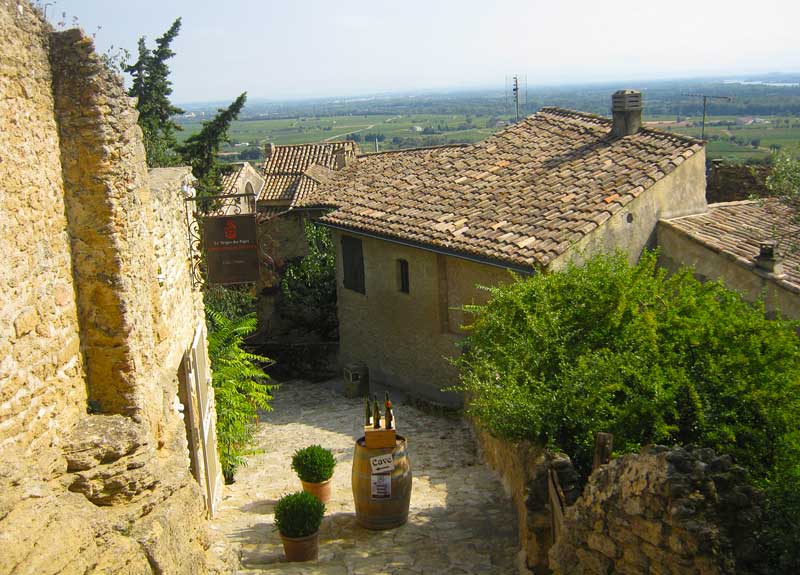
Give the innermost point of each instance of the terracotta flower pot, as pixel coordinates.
(301, 548)
(321, 491)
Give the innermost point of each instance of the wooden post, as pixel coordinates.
(603, 446)
(556, 496)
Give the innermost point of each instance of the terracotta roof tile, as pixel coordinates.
(552, 155)
(737, 228)
(284, 171)
(230, 178)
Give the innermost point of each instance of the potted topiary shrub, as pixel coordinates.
(297, 519)
(314, 466)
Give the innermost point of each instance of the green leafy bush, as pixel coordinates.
(234, 302)
(313, 464)
(240, 387)
(649, 357)
(298, 514)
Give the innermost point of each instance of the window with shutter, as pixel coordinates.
(402, 276)
(353, 264)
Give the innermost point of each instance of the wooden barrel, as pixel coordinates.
(381, 499)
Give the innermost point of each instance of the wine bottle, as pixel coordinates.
(376, 414)
(389, 415)
(367, 412)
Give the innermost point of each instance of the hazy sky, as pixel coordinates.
(280, 49)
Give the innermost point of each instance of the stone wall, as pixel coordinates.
(281, 238)
(663, 511)
(733, 182)
(107, 200)
(97, 309)
(406, 338)
(523, 468)
(42, 389)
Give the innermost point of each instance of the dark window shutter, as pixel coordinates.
(353, 264)
(403, 271)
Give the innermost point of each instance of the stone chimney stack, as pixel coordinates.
(768, 258)
(269, 150)
(339, 159)
(626, 107)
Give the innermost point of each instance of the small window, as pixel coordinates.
(402, 276)
(353, 264)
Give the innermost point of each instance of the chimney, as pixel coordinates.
(626, 108)
(269, 150)
(768, 258)
(339, 159)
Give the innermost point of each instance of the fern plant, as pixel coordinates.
(240, 386)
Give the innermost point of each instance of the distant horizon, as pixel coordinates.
(466, 88)
(309, 49)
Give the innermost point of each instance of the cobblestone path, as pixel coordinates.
(460, 521)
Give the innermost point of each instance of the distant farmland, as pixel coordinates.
(728, 139)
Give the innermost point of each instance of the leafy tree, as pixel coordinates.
(784, 179)
(200, 149)
(308, 287)
(251, 153)
(240, 388)
(152, 88)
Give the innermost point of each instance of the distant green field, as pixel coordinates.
(779, 131)
(406, 131)
(403, 131)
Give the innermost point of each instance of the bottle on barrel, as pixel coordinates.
(367, 412)
(376, 414)
(389, 415)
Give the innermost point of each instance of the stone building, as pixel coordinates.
(242, 178)
(97, 310)
(291, 174)
(749, 245)
(416, 231)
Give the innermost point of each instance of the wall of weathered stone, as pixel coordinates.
(523, 469)
(733, 182)
(42, 388)
(107, 201)
(406, 338)
(281, 239)
(663, 510)
(87, 323)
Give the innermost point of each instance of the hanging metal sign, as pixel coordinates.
(231, 248)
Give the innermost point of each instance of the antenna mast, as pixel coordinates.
(707, 97)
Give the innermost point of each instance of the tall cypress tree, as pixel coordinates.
(152, 88)
(200, 149)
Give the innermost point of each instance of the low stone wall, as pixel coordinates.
(733, 182)
(662, 511)
(523, 469)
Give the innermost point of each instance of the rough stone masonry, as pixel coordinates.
(96, 310)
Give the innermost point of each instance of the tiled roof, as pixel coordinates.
(736, 228)
(284, 169)
(229, 178)
(520, 197)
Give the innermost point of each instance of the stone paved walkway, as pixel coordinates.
(460, 521)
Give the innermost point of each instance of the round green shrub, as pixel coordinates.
(313, 464)
(298, 514)
(649, 357)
